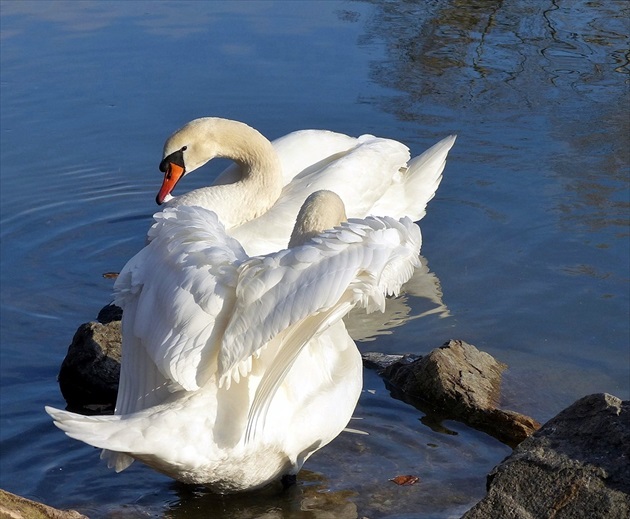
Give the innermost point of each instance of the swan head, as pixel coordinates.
(174, 167)
(187, 149)
(322, 210)
(201, 140)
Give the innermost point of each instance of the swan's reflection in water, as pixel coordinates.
(423, 284)
(311, 498)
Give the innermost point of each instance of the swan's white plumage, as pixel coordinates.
(197, 309)
(361, 176)
(277, 291)
(180, 287)
(198, 299)
(202, 395)
(372, 175)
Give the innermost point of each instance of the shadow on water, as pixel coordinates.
(311, 498)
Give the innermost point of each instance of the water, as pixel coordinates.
(527, 237)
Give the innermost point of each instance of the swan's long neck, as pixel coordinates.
(261, 171)
(321, 211)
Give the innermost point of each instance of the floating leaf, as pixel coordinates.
(405, 480)
(110, 275)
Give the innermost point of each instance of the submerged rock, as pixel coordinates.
(89, 374)
(455, 381)
(16, 507)
(576, 466)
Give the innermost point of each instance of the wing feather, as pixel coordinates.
(293, 340)
(373, 257)
(177, 295)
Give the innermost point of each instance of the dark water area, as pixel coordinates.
(527, 240)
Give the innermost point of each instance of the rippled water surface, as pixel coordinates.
(526, 241)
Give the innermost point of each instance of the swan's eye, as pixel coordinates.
(177, 157)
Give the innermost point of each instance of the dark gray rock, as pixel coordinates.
(576, 466)
(455, 381)
(109, 313)
(89, 374)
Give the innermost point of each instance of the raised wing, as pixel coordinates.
(292, 296)
(411, 191)
(177, 295)
(357, 263)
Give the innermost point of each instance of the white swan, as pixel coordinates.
(236, 369)
(258, 198)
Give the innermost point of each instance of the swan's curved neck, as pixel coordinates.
(260, 183)
(247, 147)
(322, 210)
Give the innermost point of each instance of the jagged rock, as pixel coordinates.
(455, 381)
(109, 313)
(16, 507)
(576, 466)
(89, 374)
(381, 361)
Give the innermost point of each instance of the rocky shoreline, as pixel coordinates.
(16, 507)
(577, 465)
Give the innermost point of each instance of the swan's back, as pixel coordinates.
(372, 178)
(372, 175)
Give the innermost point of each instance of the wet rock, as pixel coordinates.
(109, 313)
(381, 361)
(576, 466)
(89, 374)
(16, 507)
(455, 381)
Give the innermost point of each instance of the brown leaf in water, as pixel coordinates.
(110, 275)
(405, 480)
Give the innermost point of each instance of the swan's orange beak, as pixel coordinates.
(171, 177)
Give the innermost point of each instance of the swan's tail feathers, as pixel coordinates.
(105, 432)
(419, 182)
(424, 174)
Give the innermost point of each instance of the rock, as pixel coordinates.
(89, 374)
(381, 361)
(455, 381)
(16, 507)
(576, 466)
(456, 376)
(109, 313)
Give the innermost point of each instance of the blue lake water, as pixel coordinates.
(527, 236)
